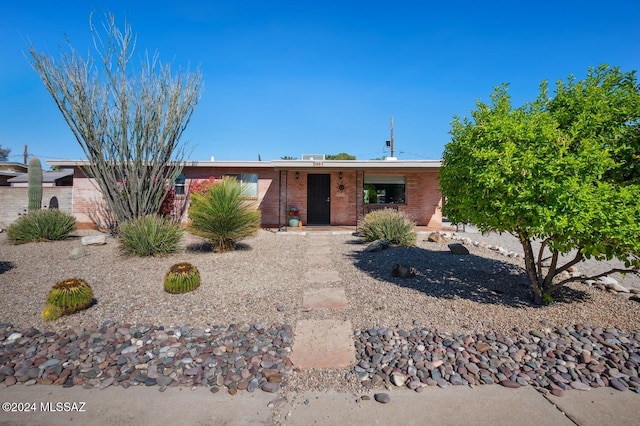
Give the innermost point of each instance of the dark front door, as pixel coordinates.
(319, 199)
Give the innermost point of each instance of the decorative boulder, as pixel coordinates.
(378, 245)
(457, 248)
(436, 237)
(607, 280)
(403, 272)
(617, 288)
(94, 240)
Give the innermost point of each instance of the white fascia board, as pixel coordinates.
(356, 164)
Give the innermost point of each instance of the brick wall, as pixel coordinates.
(14, 201)
(278, 191)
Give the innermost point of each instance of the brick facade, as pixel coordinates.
(279, 190)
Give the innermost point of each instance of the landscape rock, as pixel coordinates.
(398, 379)
(572, 358)
(382, 398)
(457, 248)
(94, 240)
(403, 272)
(436, 237)
(77, 253)
(617, 287)
(377, 246)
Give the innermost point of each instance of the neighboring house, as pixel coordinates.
(9, 170)
(49, 178)
(326, 192)
(57, 192)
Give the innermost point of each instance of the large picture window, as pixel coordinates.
(384, 189)
(250, 181)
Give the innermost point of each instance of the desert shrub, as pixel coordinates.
(390, 225)
(69, 296)
(223, 214)
(181, 278)
(41, 225)
(150, 235)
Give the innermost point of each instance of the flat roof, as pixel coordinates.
(47, 176)
(294, 164)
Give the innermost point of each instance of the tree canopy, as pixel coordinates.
(129, 121)
(340, 156)
(4, 153)
(560, 170)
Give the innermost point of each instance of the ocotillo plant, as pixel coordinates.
(35, 184)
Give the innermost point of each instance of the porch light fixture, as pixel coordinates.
(297, 175)
(340, 175)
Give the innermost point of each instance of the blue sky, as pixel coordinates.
(292, 77)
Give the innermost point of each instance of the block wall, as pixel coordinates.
(15, 200)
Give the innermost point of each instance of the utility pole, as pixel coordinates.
(390, 142)
(24, 156)
(392, 150)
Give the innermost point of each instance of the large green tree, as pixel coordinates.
(559, 173)
(128, 120)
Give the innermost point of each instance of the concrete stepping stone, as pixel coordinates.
(323, 276)
(325, 298)
(323, 344)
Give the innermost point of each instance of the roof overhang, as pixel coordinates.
(327, 165)
(188, 163)
(357, 165)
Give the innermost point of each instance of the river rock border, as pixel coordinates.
(251, 357)
(239, 357)
(552, 360)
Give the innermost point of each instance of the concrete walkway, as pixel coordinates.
(322, 343)
(454, 405)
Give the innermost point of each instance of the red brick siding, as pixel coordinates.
(423, 198)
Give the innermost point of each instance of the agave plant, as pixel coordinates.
(181, 278)
(70, 295)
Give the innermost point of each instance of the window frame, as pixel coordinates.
(179, 184)
(240, 177)
(380, 180)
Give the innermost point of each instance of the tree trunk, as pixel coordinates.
(530, 266)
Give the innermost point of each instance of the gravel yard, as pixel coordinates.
(259, 289)
(264, 279)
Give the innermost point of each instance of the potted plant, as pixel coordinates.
(294, 217)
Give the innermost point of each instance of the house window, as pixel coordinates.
(178, 186)
(384, 189)
(249, 181)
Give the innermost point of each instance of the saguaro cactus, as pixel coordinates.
(35, 184)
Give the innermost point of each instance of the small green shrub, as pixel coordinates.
(223, 214)
(150, 235)
(181, 278)
(41, 225)
(389, 225)
(70, 295)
